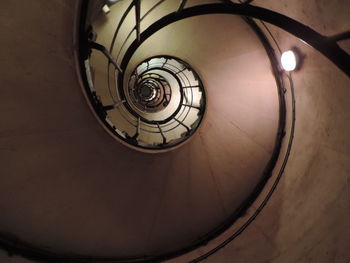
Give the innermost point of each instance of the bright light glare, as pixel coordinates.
(106, 9)
(288, 60)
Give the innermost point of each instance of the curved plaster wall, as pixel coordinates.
(59, 167)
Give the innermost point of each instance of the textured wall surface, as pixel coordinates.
(59, 166)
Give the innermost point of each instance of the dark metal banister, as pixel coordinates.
(182, 91)
(162, 134)
(177, 71)
(127, 11)
(17, 246)
(181, 112)
(137, 4)
(182, 87)
(323, 44)
(131, 111)
(125, 14)
(102, 48)
(182, 5)
(339, 37)
(134, 28)
(184, 125)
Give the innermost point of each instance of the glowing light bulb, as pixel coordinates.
(106, 9)
(289, 60)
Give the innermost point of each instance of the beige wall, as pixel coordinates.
(62, 175)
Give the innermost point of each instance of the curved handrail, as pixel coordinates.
(17, 246)
(181, 13)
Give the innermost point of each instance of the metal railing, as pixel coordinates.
(15, 245)
(143, 129)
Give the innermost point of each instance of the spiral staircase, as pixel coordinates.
(167, 131)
